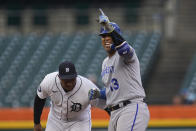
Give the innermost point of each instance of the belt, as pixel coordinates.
(120, 105)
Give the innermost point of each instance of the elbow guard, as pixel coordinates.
(124, 49)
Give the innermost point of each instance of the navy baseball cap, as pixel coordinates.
(67, 70)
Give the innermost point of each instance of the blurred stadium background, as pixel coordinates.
(35, 36)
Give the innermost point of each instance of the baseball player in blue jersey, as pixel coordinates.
(121, 77)
(70, 105)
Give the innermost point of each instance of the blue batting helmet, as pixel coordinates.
(103, 31)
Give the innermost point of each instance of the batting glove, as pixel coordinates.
(103, 19)
(93, 94)
(105, 22)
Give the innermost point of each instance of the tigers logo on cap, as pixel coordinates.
(67, 70)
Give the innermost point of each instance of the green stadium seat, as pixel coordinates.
(75, 46)
(148, 56)
(190, 73)
(92, 44)
(33, 65)
(3, 44)
(46, 67)
(9, 53)
(191, 89)
(18, 64)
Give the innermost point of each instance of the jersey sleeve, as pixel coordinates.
(43, 89)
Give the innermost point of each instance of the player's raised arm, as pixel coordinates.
(113, 30)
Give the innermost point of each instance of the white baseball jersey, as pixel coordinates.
(68, 108)
(122, 79)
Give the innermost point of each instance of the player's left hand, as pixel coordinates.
(37, 127)
(93, 94)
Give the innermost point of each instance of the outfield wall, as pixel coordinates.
(161, 116)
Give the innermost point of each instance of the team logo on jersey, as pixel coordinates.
(76, 107)
(67, 69)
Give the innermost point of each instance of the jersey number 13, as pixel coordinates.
(114, 84)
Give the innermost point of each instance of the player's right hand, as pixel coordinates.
(93, 94)
(103, 19)
(105, 22)
(37, 127)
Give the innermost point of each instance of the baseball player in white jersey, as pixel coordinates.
(70, 105)
(121, 78)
